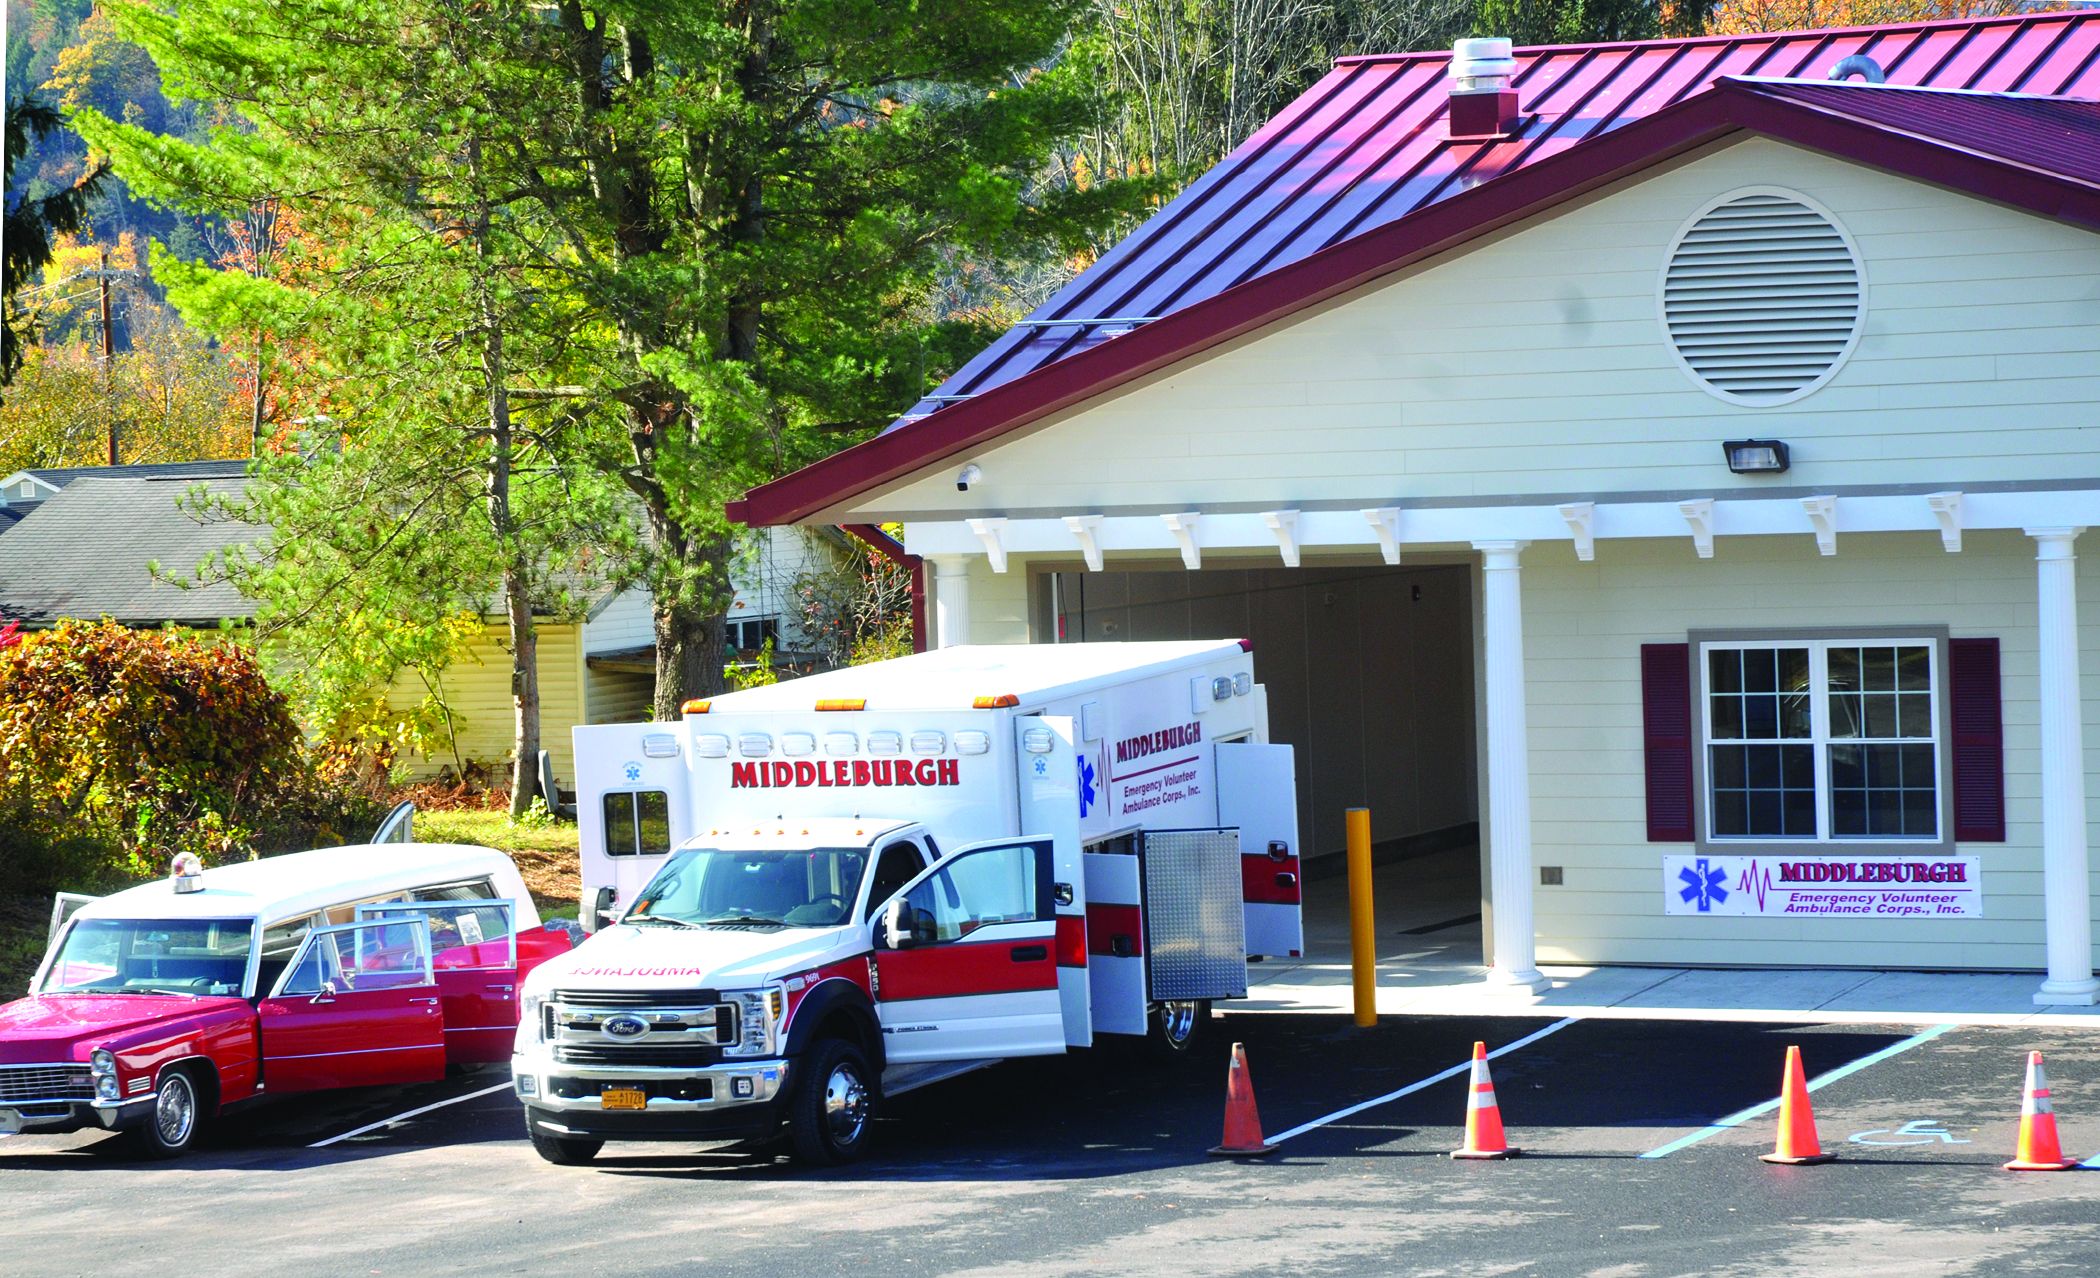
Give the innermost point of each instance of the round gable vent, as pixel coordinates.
(1761, 297)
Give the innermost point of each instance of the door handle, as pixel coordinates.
(1286, 879)
(431, 1001)
(320, 998)
(505, 988)
(1030, 953)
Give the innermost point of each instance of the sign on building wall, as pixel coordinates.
(1823, 887)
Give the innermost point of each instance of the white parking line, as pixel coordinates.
(1742, 1116)
(388, 1122)
(1414, 1087)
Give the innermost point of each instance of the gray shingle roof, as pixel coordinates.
(86, 552)
(59, 477)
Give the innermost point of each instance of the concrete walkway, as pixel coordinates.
(1429, 964)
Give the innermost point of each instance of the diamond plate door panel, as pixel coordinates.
(1195, 931)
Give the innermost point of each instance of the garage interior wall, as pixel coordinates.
(1369, 674)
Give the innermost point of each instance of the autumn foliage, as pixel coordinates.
(146, 743)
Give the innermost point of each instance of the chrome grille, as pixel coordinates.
(45, 1082)
(682, 1029)
(625, 999)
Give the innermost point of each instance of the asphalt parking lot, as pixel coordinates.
(1095, 1164)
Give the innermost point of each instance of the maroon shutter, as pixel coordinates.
(1666, 728)
(1979, 740)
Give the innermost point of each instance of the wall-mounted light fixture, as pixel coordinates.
(1756, 456)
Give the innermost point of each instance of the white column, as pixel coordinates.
(2067, 904)
(1509, 767)
(951, 600)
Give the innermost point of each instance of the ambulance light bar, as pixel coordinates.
(695, 707)
(1000, 702)
(843, 703)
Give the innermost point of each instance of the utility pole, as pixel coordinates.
(109, 361)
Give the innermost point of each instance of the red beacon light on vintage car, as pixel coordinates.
(187, 872)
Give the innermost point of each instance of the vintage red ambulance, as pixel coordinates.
(163, 1006)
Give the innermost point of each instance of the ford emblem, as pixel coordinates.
(624, 1027)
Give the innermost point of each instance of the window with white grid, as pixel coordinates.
(1822, 740)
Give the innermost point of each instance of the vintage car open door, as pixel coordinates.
(357, 1007)
(474, 956)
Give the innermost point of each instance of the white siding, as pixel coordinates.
(765, 570)
(624, 622)
(1536, 364)
(1584, 625)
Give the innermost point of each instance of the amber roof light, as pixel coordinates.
(1000, 702)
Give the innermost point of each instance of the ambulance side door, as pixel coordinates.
(969, 972)
(632, 806)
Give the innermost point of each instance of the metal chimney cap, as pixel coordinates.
(1481, 65)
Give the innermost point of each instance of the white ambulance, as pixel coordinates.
(845, 886)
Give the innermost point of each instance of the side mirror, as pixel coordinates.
(895, 934)
(601, 910)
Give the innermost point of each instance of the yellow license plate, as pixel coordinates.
(623, 1098)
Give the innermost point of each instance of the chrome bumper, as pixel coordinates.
(531, 1081)
(109, 1114)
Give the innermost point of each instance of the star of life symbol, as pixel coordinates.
(1042, 767)
(1703, 885)
(1086, 785)
(634, 772)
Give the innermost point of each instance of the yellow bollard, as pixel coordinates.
(1363, 947)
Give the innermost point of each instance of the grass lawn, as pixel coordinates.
(546, 856)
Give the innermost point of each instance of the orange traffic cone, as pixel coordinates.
(1797, 1122)
(2039, 1150)
(1242, 1119)
(1484, 1137)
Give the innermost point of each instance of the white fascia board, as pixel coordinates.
(1462, 525)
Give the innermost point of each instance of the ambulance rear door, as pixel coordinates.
(1258, 794)
(632, 806)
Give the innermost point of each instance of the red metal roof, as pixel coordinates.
(1325, 184)
(2054, 135)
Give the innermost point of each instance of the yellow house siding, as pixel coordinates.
(1584, 624)
(618, 696)
(1536, 363)
(478, 690)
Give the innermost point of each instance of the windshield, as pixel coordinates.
(151, 956)
(801, 887)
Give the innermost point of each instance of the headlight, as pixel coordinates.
(106, 1086)
(758, 1018)
(102, 1061)
(532, 1020)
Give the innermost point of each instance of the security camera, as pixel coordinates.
(966, 476)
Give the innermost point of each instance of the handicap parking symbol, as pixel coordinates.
(1918, 1131)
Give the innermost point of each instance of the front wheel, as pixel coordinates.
(831, 1104)
(562, 1151)
(178, 1115)
(1176, 1027)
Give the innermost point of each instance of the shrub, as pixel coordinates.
(148, 743)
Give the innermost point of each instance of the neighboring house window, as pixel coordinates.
(637, 823)
(751, 633)
(1822, 739)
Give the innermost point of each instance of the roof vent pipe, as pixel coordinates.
(1483, 105)
(1859, 64)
